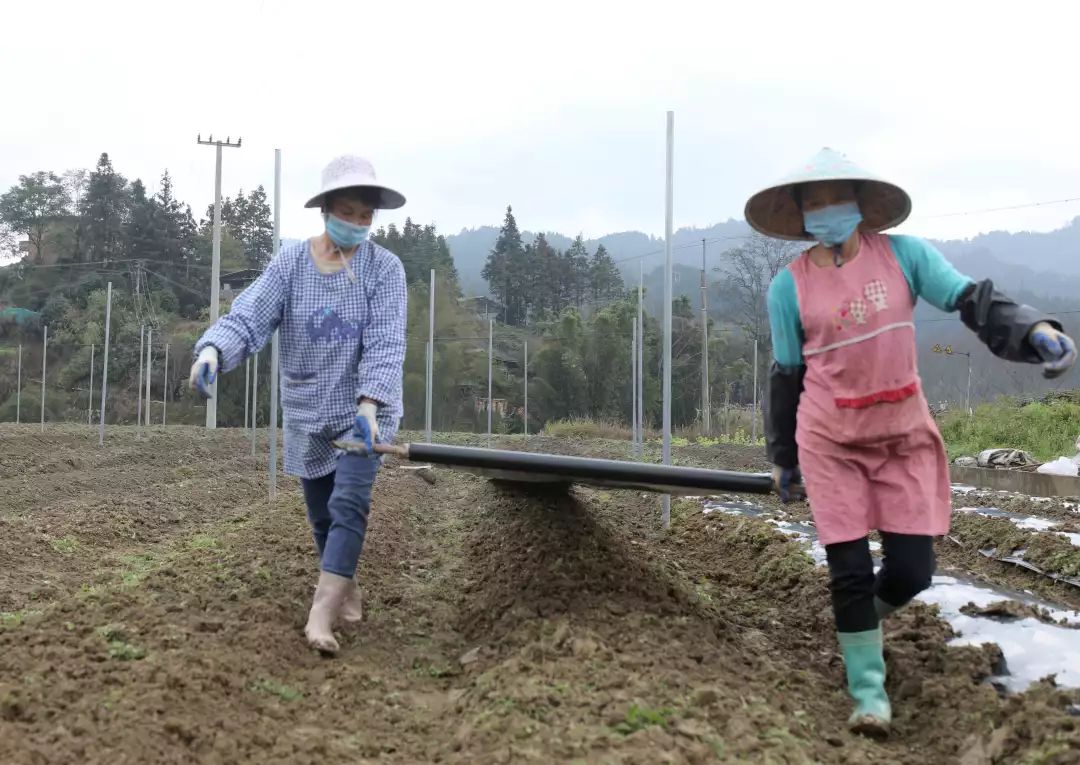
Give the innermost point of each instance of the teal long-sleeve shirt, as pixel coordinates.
(929, 276)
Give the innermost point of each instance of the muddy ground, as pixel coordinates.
(153, 601)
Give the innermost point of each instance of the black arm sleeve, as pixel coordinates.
(781, 405)
(1000, 322)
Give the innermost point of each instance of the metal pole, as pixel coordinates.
(526, 388)
(754, 418)
(165, 386)
(90, 395)
(273, 432)
(640, 358)
(430, 357)
(149, 341)
(706, 403)
(138, 389)
(18, 390)
(665, 513)
(633, 386)
(44, 355)
(247, 390)
(968, 398)
(491, 348)
(255, 397)
(105, 366)
(275, 352)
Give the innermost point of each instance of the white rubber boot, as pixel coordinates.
(325, 606)
(352, 610)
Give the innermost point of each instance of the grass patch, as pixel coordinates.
(202, 542)
(119, 647)
(739, 438)
(681, 509)
(65, 545)
(15, 618)
(638, 718)
(136, 568)
(582, 428)
(124, 651)
(274, 688)
(1046, 430)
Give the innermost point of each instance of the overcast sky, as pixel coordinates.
(557, 107)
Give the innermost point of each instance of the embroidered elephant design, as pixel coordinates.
(326, 326)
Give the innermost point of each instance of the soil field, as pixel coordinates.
(153, 601)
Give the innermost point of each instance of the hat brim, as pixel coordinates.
(775, 212)
(388, 198)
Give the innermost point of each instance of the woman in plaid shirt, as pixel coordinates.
(340, 303)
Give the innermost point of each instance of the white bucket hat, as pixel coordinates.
(774, 211)
(348, 172)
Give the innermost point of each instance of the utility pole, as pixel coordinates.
(90, 395)
(247, 389)
(18, 391)
(44, 356)
(105, 366)
(275, 342)
(526, 418)
(706, 404)
(165, 386)
(633, 384)
(149, 340)
(138, 388)
(754, 418)
(491, 350)
(669, 217)
(430, 372)
(640, 358)
(255, 397)
(215, 269)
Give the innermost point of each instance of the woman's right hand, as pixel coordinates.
(204, 371)
(788, 483)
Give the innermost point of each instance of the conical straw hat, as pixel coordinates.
(774, 211)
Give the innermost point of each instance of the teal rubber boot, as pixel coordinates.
(865, 666)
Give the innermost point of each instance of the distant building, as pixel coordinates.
(482, 306)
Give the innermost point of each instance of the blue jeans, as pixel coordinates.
(338, 505)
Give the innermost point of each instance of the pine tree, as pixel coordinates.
(605, 281)
(504, 270)
(105, 211)
(177, 230)
(142, 232)
(577, 272)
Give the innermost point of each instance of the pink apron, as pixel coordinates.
(871, 455)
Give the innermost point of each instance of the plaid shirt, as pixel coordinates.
(340, 341)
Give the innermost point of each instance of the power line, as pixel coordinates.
(999, 209)
(196, 293)
(28, 266)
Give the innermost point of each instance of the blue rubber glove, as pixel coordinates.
(366, 427)
(204, 371)
(788, 484)
(1057, 349)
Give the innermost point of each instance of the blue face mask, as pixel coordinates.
(833, 225)
(344, 234)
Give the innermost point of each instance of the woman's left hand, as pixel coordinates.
(366, 428)
(1056, 349)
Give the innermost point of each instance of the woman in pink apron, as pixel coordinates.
(845, 406)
